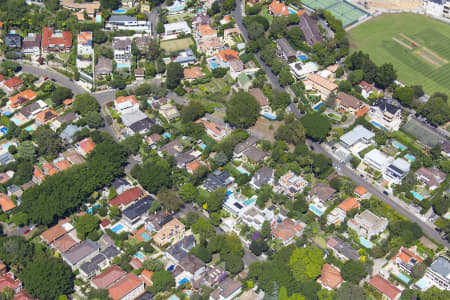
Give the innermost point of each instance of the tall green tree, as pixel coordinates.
(242, 110)
(175, 73)
(306, 263)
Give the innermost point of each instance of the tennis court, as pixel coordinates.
(422, 133)
(343, 10)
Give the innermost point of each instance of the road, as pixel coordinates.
(238, 17)
(427, 228)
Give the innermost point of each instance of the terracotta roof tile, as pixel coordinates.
(6, 203)
(386, 287)
(331, 276)
(349, 204)
(124, 286)
(13, 82)
(127, 197)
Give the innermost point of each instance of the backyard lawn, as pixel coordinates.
(418, 47)
(176, 45)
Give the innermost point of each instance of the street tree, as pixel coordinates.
(242, 110)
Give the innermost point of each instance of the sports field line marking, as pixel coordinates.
(428, 59)
(402, 43)
(424, 48)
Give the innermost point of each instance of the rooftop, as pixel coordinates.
(80, 251)
(108, 277)
(356, 134)
(386, 287)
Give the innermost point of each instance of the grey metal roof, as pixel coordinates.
(138, 208)
(387, 107)
(122, 18)
(6, 158)
(145, 296)
(93, 265)
(111, 252)
(441, 266)
(262, 176)
(142, 125)
(286, 47)
(356, 134)
(69, 132)
(218, 179)
(80, 251)
(13, 41)
(29, 109)
(133, 117)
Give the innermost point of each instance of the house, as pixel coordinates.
(85, 44)
(104, 66)
(100, 261)
(367, 224)
(342, 250)
(79, 254)
(262, 100)
(141, 126)
(181, 248)
(385, 287)
(85, 146)
(347, 103)
(89, 7)
(218, 179)
(153, 139)
(13, 40)
(22, 98)
(432, 177)
(157, 220)
(210, 45)
(278, 8)
(330, 277)
(287, 230)
(406, 259)
(310, 30)
(255, 217)
(126, 198)
(8, 280)
(38, 175)
(192, 266)
(139, 74)
(322, 85)
(108, 277)
(146, 295)
(146, 276)
(169, 112)
(132, 117)
(67, 118)
(285, 50)
(226, 56)
(263, 175)
(126, 104)
(367, 89)
(133, 215)
(361, 192)
(396, 171)
(227, 290)
(177, 28)
(127, 288)
(358, 135)
(204, 31)
(300, 70)
(45, 116)
(214, 130)
(173, 230)
(171, 148)
(290, 184)
(125, 22)
(240, 148)
(321, 192)
(437, 8)
(193, 73)
(56, 231)
(193, 166)
(377, 160)
(142, 43)
(201, 19)
(122, 52)
(56, 41)
(229, 35)
(13, 84)
(49, 169)
(14, 190)
(186, 57)
(386, 115)
(32, 44)
(338, 214)
(6, 203)
(68, 133)
(438, 273)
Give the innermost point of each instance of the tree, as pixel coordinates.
(203, 227)
(385, 75)
(175, 73)
(85, 103)
(291, 131)
(98, 294)
(60, 94)
(405, 95)
(162, 281)
(48, 141)
(192, 112)
(52, 5)
(47, 278)
(419, 270)
(436, 110)
(242, 110)
(110, 4)
(119, 84)
(331, 100)
(266, 230)
(279, 99)
(220, 159)
(316, 125)
(19, 218)
(353, 271)
(153, 265)
(349, 291)
(202, 253)
(215, 199)
(99, 36)
(188, 192)
(94, 120)
(86, 224)
(160, 27)
(285, 77)
(355, 76)
(255, 30)
(306, 263)
(153, 175)
(169, 199)
(132, 144)
(233, 263)
(24, 172)
(27, 151)
(258, 247)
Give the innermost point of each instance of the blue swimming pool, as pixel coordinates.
(7, 113)
(417, 195)
(202, 146)
(213, 65)
(29, 128)
(123, 66)
(378, 125)
(98, 18)
(410, 157)
(291, 11)
(166, 135)
(270, 116)
(117, 228)
(16, 121)
(249, 201)
(423, 283)
(175, 8)
(403, 278)
(91, 209)
(316, 108)
(183, 281)
(170, 268)
(365, 243)
(302, 57)
(119, 11)
(242, 171)
(4, 130)
(5, 146)
(315, 210)
(173, 297)
(399, 145)
(140, 256)
(145, 236)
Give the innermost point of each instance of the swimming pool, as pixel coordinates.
(16, 121)
(170, 268)
(399, 145)
(173, 297)
(183, 281)
(249, 201)
(145, 236)
(410, 157)
(140, 256)
(242, 171)
(5, 146)
(91, 209)
(291, 11)
(119, 11)
(4, 130)
(403, 278)
(123, 66)
(213, 65)
(7, 113)
(202, 146)
(269, 116)
(29, 128)
(302, 57)
(98, 18)
(117, 228)
(378, 125)
(315, 210)
(365, 243)
(417, 195)
(166, 135)
(316, 108)
(423, 283)
(176, 8)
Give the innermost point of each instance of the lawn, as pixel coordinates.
(179, 17)
(176, 45)
(417, 46)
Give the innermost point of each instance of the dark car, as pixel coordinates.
(386, 193)
(438, 229)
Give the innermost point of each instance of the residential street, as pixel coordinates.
(427, 228)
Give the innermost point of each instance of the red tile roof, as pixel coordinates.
(22, 98)
(64, 243)
(331, 276)
(279, 8)
(13, 82)
(124, 286)
(136, 263)
(107, 278)
(386, 287)
(48, 38)
(349, 204)
(87, 145)
(8, 280)
(53, 233)
(63, 164)
(6, 203)
(228, 55)
(405, 255)
(105, 222)
(127, 197)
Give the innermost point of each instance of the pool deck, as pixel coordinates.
(137, 235)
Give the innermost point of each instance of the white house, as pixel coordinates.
(124, 22)
(126, 104)
(437, 8)
(377, 160)
(439, 273)
(396, 171)
(367, 224)
(176, 28)
(84, 44)
(122, 51)
(385, 115)
(301, 70)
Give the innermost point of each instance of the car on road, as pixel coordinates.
(438, 229)
(53, 79)
(27, 231)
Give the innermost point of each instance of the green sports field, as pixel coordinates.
(417, 46)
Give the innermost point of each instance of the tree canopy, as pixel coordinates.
(242, 110)
(317, 126)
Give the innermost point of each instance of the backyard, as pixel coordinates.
(176, 45)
